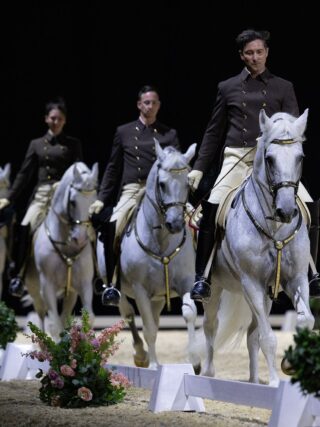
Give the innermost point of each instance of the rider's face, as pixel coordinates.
(254, 55)
(55, 121)
(149, 105)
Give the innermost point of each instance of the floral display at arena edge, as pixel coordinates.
(77, 376)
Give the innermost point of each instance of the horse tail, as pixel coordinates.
(231, 328)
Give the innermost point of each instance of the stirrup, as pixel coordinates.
(111, 296)
(201, 290)
(16, 287)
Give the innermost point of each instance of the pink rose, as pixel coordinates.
(73, 363)
(85, 394)
(67, 371)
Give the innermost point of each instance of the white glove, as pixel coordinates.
(4, 203)
(194, 178)
(96, 207)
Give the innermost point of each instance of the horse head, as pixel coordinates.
(278, 163)
(75, 193)
(167, 185)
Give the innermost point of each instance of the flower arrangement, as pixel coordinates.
(77, 376)
(8, 325)
(302, 362)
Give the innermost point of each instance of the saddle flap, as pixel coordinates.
(225, 205)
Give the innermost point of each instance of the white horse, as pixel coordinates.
(265, 244)
(62, 265)
(158, 255)
(4, 188)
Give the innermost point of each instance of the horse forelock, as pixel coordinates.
(282, 127)
(173, 159)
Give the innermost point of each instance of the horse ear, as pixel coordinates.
(95, 171)
(76, 174)
(188, 155)
(263, 120)
(7, 170)
(301, 122)
(159, 150)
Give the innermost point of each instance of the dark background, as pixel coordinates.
(97, 55)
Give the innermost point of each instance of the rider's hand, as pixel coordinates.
(96, 207)
(4, 203)
(194, 178)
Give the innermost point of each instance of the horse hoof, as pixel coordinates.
(141, 363)
(286, 367)
(197, 369)
(16, 287)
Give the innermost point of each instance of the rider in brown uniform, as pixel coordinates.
(48, 157)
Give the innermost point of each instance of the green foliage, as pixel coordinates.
(304, 361)
(8, 325)
(77, 376)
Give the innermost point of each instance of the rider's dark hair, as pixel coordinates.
(147, 88)
(57, 103)
(249, 35)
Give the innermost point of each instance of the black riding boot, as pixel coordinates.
(201, 288)
(20, 256)
(314, 278)
(111, 295)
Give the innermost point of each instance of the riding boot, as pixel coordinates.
(201, 288)
(314, 278)
(111, 295)
(20, 256)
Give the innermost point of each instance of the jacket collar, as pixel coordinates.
(265, 76)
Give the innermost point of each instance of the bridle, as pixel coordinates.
(160, 206)
(70, 220)
(274, 187)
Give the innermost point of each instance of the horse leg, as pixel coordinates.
(68, 303)
(189, 313)
(267, 340)
(298, 292)
(33, 288)
(253, 346)
(150, 327)
(210, 328)
(140, 357)
(85, 291)
(49, 295)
